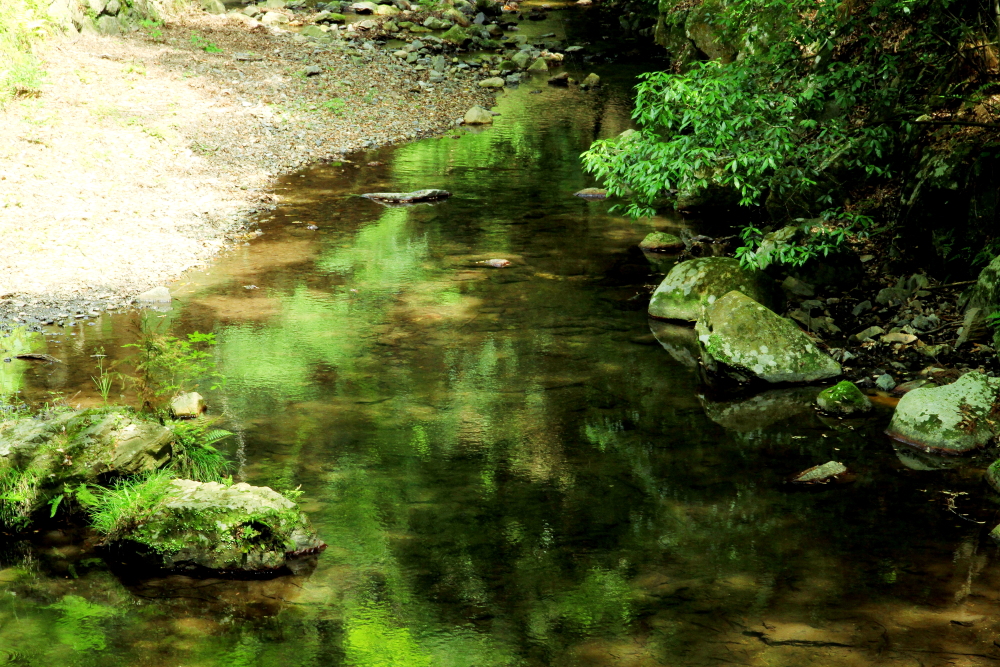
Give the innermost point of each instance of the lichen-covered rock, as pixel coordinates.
(843, 398)
(456, 34)
(693, 285)
(661, 242)
(745, 340)
(40, 456)
(952, 419)
(235, 527)
(993, 475)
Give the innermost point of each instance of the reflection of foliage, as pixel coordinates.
(373, 639)
(81, 624)
(600, 603)
(18, 341)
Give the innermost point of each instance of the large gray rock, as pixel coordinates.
(39, 456)
(950, 419)
(745, 340)
(216, 526)
(985, 294)
(693, 285)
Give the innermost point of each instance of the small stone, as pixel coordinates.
(843, 398)
(793, 285)
(661, 242)
(591, 81)
(187, 406)
(821, 474)
(155, 295)
(885, 382)
(540, 65)
(478, 116)
(493, 82)
(861, 307)
(868, 334)
(899, 337)
(210, 6)
(312, 70)
(592, 193)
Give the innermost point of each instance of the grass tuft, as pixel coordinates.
(22, 22)
(129, 502)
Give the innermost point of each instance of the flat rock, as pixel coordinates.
(951, 419)
(821, 474)
(407, 197)
(692, 286)
(234, 528)
(493, 82)
(155, 295)
(744, 340)
(592, 193)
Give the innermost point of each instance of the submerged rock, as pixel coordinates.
(40, 456)
(951, 419)
(693, 285)
(843, 398)
(592, 193)
(745, 340)
(235, 528)
(407, 197)
(661, 242)
(821, 474)
(591, 81)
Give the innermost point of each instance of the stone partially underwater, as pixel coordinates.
(743, 340)
(952, 419)
(40, 456)
(235, 528)
(696, 284)
(402, 198)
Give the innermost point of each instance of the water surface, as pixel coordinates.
(508, 467)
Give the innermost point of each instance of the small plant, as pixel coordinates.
(104, 378)
(152, 28)
(164, 365)
(336, 106)
(195, 456)
(129, 502)
(205, 45)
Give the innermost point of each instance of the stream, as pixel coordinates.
(508, 466)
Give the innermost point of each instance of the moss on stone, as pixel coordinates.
(953, 418)
(692, 286)
(843, 398)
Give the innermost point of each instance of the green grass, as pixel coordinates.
(129, 502)
(22, 22)
(195, 456)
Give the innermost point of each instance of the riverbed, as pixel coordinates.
(509, 467)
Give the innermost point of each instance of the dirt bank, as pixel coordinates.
(144, 155)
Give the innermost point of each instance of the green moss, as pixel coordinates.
(843, 398)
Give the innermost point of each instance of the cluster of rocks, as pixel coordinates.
(433, 39)
(59, 461)
(739, 337)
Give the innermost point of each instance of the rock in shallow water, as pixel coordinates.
(950, 419)
(155, 295)
(661, 242)
(844, 398)
(693, 285)
(407, 197)
(478, 116)
(187, 406)
(235, 528)
(744, 340)
(821, 474)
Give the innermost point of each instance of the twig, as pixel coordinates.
(960, 283)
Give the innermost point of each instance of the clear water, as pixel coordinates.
(508, 468)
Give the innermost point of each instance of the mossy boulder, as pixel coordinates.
(744, 340)
(661, 242)
(39, 456)
(208, 525)
(843, 398)
(951, 419)
(692, 286)
(993, 475)
(457, 35)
